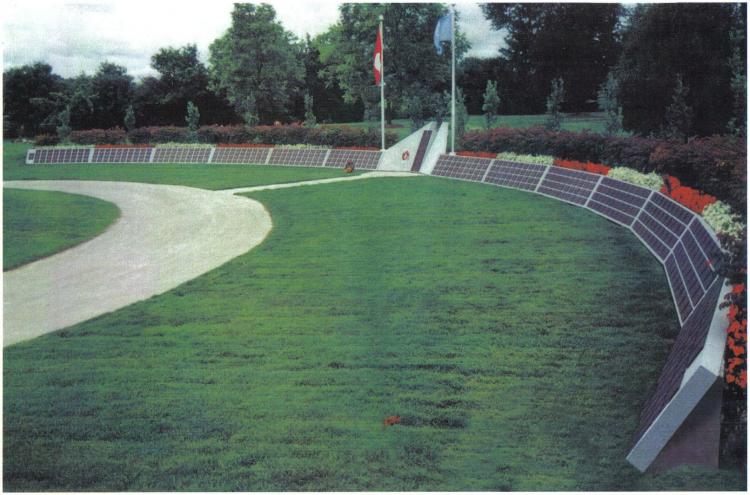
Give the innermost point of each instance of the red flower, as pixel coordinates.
(476, 154)
(594, 168)
(738, 289)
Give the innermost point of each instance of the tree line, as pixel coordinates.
(671, 70)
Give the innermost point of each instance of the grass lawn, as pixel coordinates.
(479, 315)
(195, 175)
(40, 223)
(571, 122)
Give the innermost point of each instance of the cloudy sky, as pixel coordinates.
(76, 36)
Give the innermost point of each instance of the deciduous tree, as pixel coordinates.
(256, 64)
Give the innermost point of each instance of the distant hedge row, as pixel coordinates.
(716, 165)
(215, 134)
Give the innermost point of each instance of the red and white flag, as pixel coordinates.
(377, 59)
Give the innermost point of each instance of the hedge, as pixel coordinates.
(716, 165)
(99, 136)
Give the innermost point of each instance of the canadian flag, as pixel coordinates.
(377, 59)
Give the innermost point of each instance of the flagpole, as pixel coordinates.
(453, 80)
(382, 87)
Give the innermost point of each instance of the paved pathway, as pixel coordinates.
(165, 236)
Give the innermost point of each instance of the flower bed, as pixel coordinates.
(476, 154)
(244, 145)
(357, 148)
(651, 180)
(537, 159)
(720, 217)
(736, 358)
(121, 146)
(594, 168)
(687, 196)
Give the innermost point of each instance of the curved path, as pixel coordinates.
(165, 236)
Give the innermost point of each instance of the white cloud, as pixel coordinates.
(77, 36)
(485, 41)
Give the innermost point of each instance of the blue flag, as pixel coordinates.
(443, 32)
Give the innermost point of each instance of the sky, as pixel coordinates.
(77, 36)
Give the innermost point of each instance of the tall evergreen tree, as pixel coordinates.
(554, 104)
(491, 104)
(607, 99)
(679, 115)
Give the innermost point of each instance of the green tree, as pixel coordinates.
(63, 127)
(607, 99)
(679, 115)
(256, 64)
(112, 90)
(577, 42)
(21, 87)
(411, 63)
(182, 77)
(662, 40)
(310, 120)
(554, 104)
(462, 114)
(738, 83)
(491, 104)
(192, 119)
(129, 120)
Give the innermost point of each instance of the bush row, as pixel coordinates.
(715, 165)
(215, 134)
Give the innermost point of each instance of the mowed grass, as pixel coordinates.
(516, 337)
(593, 122)
(40, 223)
(195, 175)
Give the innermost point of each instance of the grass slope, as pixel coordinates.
(195, 175)
(481, 316)
(40, 223)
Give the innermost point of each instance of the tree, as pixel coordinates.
(607, 99)
(738, 83)
(554, 104)
(679, 115)
(112, 89)
(129, 120)
(63, 128)
(462, 115)
(182, 77)
(192, 119)
(256, 64)
(662, 40)
(576, 42)
(412, 65)
(310, 120)
(21, 85)
(491, 104)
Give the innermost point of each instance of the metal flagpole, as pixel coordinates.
(453, 80)
(382, 87)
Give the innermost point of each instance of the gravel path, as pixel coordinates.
(165, 236)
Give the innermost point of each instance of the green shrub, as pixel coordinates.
(720, 217)
(538, 159)
(46, 140)
(651, 180)
(98, 136)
